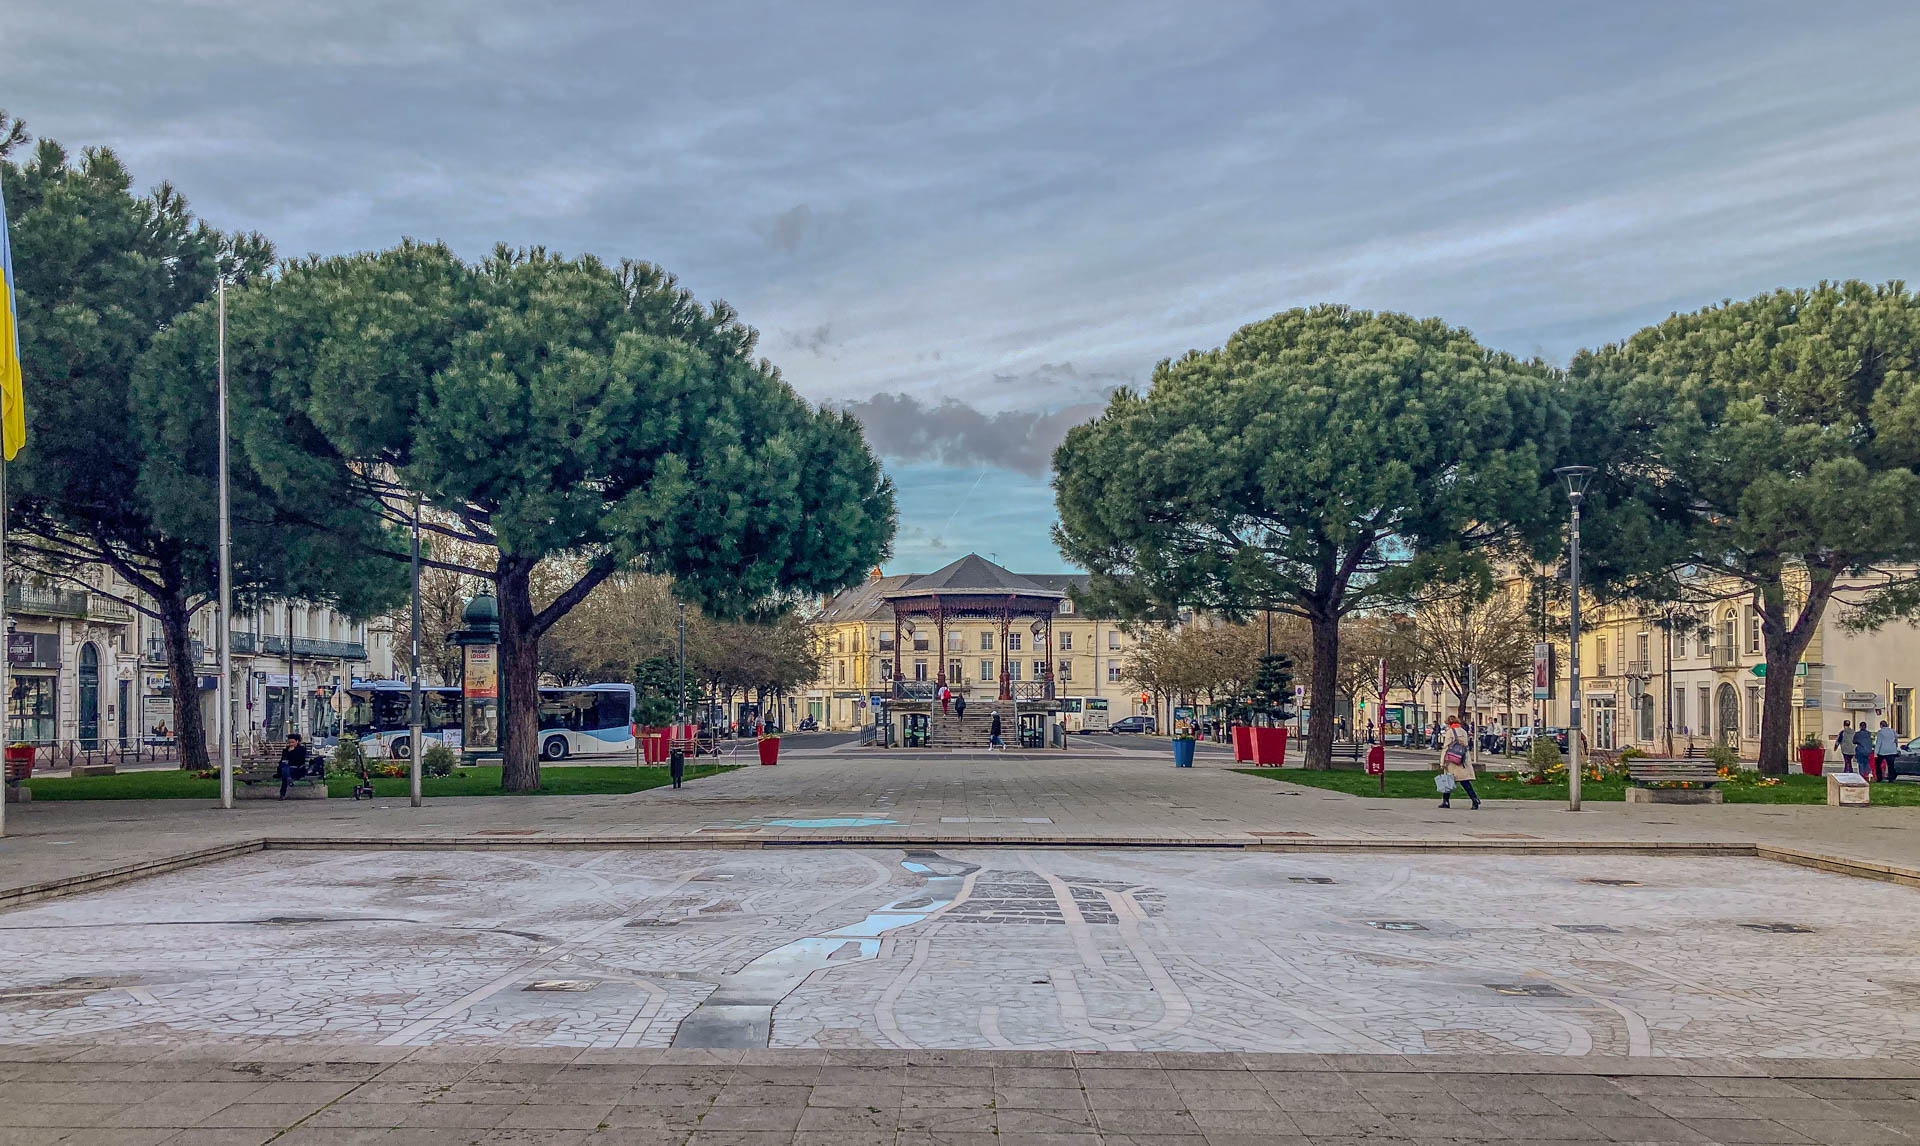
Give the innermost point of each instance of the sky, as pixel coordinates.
(970, 223)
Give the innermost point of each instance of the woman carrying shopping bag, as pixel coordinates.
(1456, 768)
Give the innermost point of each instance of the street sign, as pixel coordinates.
(1760, 669)
(1798, 670)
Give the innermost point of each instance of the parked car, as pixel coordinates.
(1520, 739)
(1133, 724)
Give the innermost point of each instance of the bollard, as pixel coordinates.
(677, 764)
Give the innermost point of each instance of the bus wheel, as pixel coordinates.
(402, 749)
(554, 749)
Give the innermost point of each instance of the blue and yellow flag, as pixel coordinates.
(13, 402)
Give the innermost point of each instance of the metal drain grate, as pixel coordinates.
(562, 985)
(1597, 882)
(1395, 925)
(1588, 928)
(1528, 990)
(1779, 928)
(1308, 879)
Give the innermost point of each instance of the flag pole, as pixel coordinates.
(225, 694)
(6, 662)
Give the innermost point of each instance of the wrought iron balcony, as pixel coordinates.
(1639, 668)
(50, 602)
(1724, 657)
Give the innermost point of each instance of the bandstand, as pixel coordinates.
(957, 599)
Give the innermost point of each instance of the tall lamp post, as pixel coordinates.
(1576, 479)
(224, 696)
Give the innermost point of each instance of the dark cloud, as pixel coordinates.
(787, 230)
(952, 433)
(813, 341)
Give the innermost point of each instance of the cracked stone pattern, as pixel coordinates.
(1096, 949)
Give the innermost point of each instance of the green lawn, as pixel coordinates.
(582, 780)
(1419, 786)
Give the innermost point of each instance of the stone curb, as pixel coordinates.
(93, 881)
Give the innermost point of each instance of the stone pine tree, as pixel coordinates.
(549, 407)
(100, 273)
(1321, 462)
(1763, 451)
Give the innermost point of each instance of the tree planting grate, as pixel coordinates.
(654, 923)
(1598, 882)
(1529, 990)
(1779, 928)
(1588, 928)
(1309, 879)
(1395, 925)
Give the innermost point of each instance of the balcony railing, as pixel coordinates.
(1724, 657)
(50, 602)
(1032, 690)
(249, 644)
(1639, 668)
(914, 689)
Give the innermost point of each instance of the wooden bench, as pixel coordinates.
(1644, 774)
(260, 770)
(1353, 752)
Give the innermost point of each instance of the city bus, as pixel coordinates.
(1084, 714)
(591, 720)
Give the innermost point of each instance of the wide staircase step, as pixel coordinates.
(951, 730)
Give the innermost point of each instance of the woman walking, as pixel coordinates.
(1456, 764)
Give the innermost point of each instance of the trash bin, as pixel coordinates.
(1183, 753)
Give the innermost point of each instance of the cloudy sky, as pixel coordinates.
(970, 222)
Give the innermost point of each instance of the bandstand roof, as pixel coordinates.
(974, 574)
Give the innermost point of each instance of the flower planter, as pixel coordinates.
(19, 761)
(770, 750)
(1242, 744)
(1183, 753)
(1811, 760)
(1269, 746)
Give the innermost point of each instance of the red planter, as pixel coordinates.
(1268, 746)
(1242, 744)
(653, 744)
(1811, 759)
(770, 750)
(19, 762)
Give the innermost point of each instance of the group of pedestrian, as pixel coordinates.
(1867, 751)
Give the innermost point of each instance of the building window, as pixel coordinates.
(840, 675)
(1113, 672)
(1680, 644)
(920, 642)
(1903, 712)
(1066, 670)
(920, 669)
(1726, 633)
(30, 711)
(1039, 670)
(1753, 707)
(839, 645)
(1113, 639)
(986, 641)
(1013, 642)
(955, 671)
(956, 642)
(886, 642)
(1013, 670)
(1641, 645)
(1066, 641)
(1753, 629)
(1705, 711)
(1066, 606)
(1680, 709)
(1644, 708)
(1600, 656)
(986, 669)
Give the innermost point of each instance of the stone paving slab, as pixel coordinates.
(77, 1094)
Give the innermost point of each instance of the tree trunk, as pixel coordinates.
(190, 732)
(1784, 648)
(519, 678)
(1322, 689)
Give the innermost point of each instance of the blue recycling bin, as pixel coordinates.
(1183, 753)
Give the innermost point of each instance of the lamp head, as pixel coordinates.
(1576, 479)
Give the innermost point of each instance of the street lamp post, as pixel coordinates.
(1576, 479)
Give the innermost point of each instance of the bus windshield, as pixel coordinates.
(584, 710)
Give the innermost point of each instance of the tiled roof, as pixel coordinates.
(974, 573)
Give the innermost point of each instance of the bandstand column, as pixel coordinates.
(940, 639)
(1006, 663)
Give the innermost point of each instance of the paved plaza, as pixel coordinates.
(1079, 949)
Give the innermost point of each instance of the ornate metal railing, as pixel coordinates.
(1724, 657)
(1032, 690)
(914, 689)
(47, 601)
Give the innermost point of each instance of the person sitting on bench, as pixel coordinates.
(293, 763)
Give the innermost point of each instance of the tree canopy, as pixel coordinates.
(548, 407)
(1770, 444)
(1321, 462)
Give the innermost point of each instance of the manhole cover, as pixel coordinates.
(1597, 882)
(1308, 879)
(1530, 990)
(561, 985)
(1779, 928)
(1588, 928)
(1395, 925)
